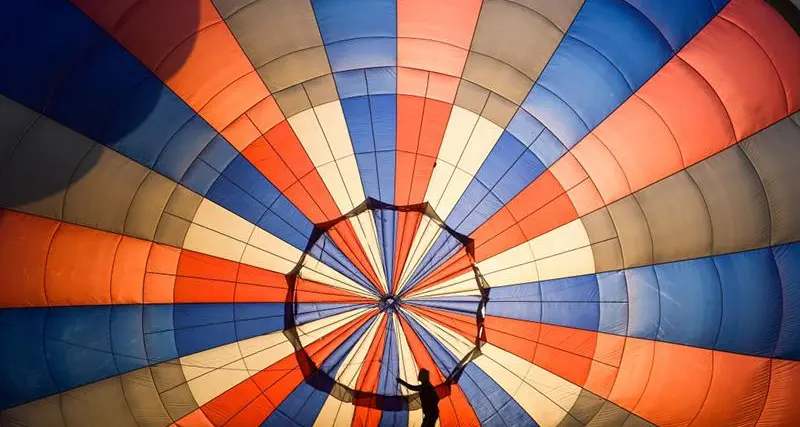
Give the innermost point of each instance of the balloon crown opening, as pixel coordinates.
(399, 307)
(389, 303)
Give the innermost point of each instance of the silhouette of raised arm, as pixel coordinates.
(409, 386)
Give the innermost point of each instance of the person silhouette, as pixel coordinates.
(427, 396)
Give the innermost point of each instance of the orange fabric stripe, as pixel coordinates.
(51, 263)
(407, 226)
(428, 42)
(192, 50)
(462, 324)
(665, 383)
(727, 103)
(454, 410)
(257, 397)
(188, 46)
(368, 379)
(457, 265)
(23, 255)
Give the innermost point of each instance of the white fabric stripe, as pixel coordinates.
(408, 368)
(334, 126)
(214, 371)
(309, 130)
(317, 271)
(313, 331)
(467, 141)
(354, 362)
(563, 252)
(221, 233)
(335, 412)
(323, 133)
(367, 233)
(426, 234)
(453, 341)
(215, 217)
(545, 396)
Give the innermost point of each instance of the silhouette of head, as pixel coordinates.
(424, 376)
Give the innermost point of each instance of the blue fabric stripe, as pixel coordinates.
(371, 121)
(303, 405)
(310, 311)
(358, 33)
(360, 39)
(70, 69)
(390, 362)
(80, 345)
(610, 50)
(442, 249)
(492, 404)
(745, 302)
(485, 396)
(459, 305)
(386, 226)
(329, 254)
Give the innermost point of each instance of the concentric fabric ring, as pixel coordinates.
(389, 304)
(283, 212)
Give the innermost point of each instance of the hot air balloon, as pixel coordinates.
(272, 212)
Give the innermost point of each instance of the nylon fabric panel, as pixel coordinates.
(112, 210)
(610, 161)
(568, 112)
(261, 212)
(698, 120)
(730, 207)
(498, 61)
(15, 122)
(165, 105)
(758, 21)
(196, 54)
(27, 167)
(424, 43)
(690, 219)
(275, 61)
(711, 62)
(781, 199)
(684, 388)
(26, 243)
(750, 400)
(775, 411)
(457, 410)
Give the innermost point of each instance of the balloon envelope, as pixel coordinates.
(245, 213)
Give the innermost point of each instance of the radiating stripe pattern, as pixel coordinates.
(376, 386)
(265, 212)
